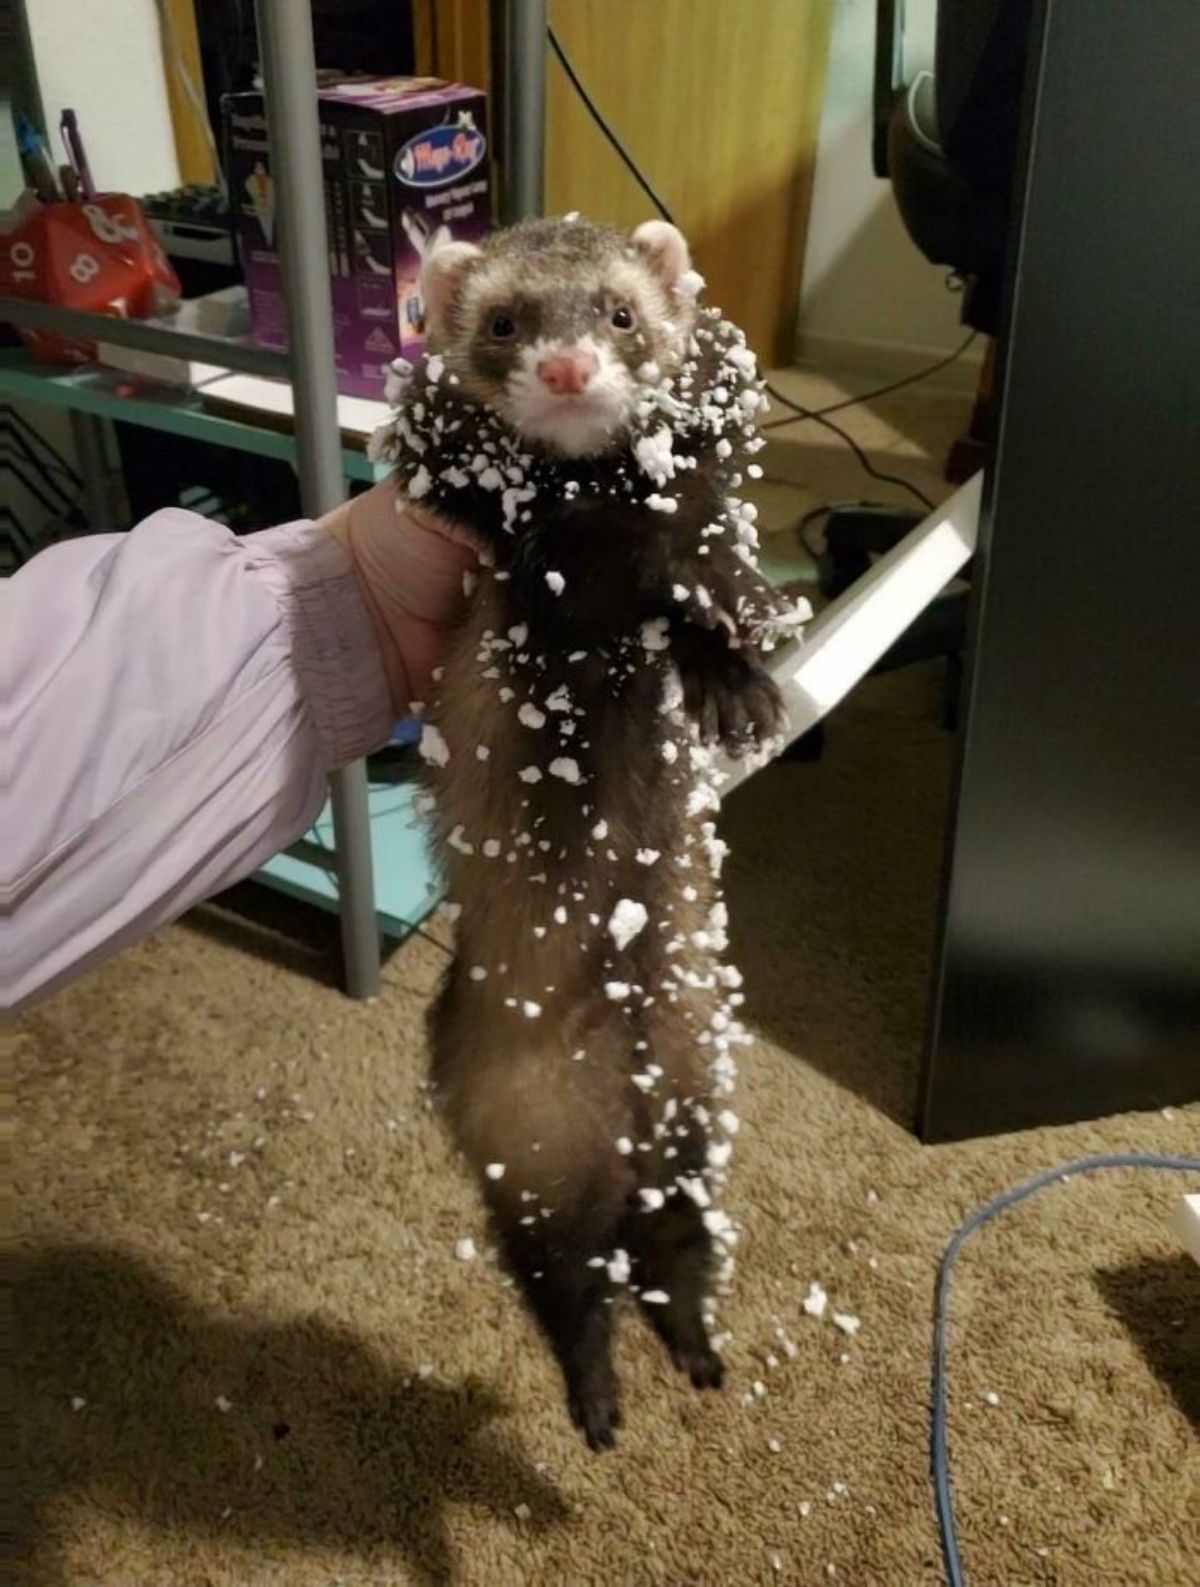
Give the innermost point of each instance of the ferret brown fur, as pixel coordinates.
(574, 1038)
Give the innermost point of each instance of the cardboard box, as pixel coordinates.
(405, 163)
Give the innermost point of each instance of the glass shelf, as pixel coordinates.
(179, 410)
(407, 888)
(214, 329)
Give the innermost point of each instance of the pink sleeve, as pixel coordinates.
(171, 703)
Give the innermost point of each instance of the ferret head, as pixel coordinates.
(560, 326)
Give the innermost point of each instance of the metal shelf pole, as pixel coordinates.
(293, 128)
(524, 109)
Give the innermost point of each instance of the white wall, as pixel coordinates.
(869, 298)
(104, 59)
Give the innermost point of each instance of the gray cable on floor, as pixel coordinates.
(939, 1458)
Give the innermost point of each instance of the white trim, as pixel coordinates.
(845, 640)
(1185, 1222)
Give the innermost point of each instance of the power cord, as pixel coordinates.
(593, 110)
(939, 1458)
(864, 461)
(879, 391)
(817, 416)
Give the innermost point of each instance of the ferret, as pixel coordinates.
(588, 419)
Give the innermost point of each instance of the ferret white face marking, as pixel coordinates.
(572, 397)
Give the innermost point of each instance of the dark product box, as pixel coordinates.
(405, 162)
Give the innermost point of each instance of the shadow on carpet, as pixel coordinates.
(1159, 1304)
(197, 1424)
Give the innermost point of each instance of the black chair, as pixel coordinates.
(947, 141)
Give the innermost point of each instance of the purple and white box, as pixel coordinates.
(406, 168)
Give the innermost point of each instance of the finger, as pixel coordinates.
(437, 523)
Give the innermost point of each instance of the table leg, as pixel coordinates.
(356, 879)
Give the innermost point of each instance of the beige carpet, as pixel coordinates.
(246, 1353)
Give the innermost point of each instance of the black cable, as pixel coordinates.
(593, 111)
(631, 166)
(879, 391)
(811, 517)
(864, 461)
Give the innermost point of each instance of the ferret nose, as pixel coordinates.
(567, 374)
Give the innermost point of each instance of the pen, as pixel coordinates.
(36, 162)
(69, 127)
(69, 183)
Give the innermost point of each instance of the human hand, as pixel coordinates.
(409, 562)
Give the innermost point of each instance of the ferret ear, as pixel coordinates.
(442, 276)
(665, 249)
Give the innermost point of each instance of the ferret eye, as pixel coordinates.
(503, 327)
(622, 317)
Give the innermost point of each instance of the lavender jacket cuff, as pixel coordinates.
(172, 701)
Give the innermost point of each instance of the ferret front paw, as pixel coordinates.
(731, 697)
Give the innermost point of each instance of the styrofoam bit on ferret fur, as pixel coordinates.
(655, 633)
(464, 1249)
(616, 991)
(566, 768)
(656, 1297)
(530, 774)
(420, 483)
(530, 1009)
(628, 918)
(991, 1397)
(77, 1402)
(433, 747)
(495, 1170)
(529, 715)
(624, 1145)
(619, 1267)
(815, 1301)
(660, 503)
(555, 582)
(651, 1197)
(223, 1405)
(646, 856)
(848, 1324)
(522, 1512)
